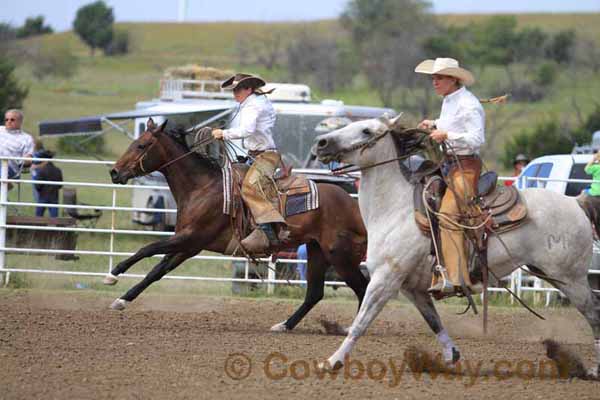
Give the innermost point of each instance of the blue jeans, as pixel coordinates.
(301, 254)
(52, 211)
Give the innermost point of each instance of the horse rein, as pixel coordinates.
(370, 143)
(140, 159)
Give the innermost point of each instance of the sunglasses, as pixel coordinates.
(9, 119)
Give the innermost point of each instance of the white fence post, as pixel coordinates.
(271, 275)
(112, 227)
(3, 212)
(513, 279)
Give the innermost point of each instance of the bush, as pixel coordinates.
(119, 44)
(58, 62)
(94, 25)
(525, 91)
(33, 26)
(561, 47)
(545, 74)
(325, 61)
(7, 32)
(12, 93)
(78, 145)
(545, 138)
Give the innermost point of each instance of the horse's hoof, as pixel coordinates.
(110, 279)
(327, 367)
(280, 327)
(594, 373)
(455, 357)
(119, 304)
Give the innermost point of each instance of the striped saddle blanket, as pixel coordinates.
(297, 194)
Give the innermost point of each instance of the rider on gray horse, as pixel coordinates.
(462, 126)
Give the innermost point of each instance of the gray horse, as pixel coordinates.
(555, 241)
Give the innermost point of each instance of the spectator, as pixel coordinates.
(519, 164)
(15, 143)
(38, 146)
(593, 168)
(302, 254)
(47, 194)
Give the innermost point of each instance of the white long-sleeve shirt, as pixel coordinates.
(463, 118)
(15, 143)
(254, 124)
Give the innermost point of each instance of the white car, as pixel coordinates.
(560, 167)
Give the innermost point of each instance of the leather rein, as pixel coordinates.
(370, 143)
(140, 160)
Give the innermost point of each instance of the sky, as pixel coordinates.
(60, 13)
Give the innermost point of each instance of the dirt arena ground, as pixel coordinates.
(68, 345)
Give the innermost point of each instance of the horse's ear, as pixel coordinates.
(160, 129)
(150, 124)
(391, 123)
(395, 122)
(163, 125)
(385, 119)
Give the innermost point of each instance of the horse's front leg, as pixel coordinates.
(167, 264)
(422, 300)
(164, 246)
(382, 286)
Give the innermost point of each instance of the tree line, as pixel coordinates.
(381, 41)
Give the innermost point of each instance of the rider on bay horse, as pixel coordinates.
(254, 123)
(462, 126)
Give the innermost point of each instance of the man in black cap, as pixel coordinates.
(46, 171)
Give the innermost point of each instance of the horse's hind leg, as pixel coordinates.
(422, 300)
(315, 283)
(581, 296)
(167, 264)
(164, 246)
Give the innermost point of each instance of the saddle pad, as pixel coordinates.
(302, 202)
(227, 189)
(300, 196)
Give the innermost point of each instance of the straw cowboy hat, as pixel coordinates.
(234, 81)
(448, 67)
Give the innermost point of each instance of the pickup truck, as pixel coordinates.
(561, 167)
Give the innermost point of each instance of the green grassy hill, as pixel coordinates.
(104, 84)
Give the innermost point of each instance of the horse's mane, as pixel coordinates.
(178, 136)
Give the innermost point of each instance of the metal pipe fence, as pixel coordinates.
(518, 280)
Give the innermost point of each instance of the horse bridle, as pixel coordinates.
(370, 143)
(140, 160)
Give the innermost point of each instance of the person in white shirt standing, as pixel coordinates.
(15, 143)
(254, 123)
(461, 126)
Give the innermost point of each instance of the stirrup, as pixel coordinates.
(443, 288)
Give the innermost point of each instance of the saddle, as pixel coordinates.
(295, 195)
(503, 205)
(495, 209)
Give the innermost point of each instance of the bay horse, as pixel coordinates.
(556, 239)
(334, 233)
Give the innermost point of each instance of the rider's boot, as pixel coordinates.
(260, 240)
